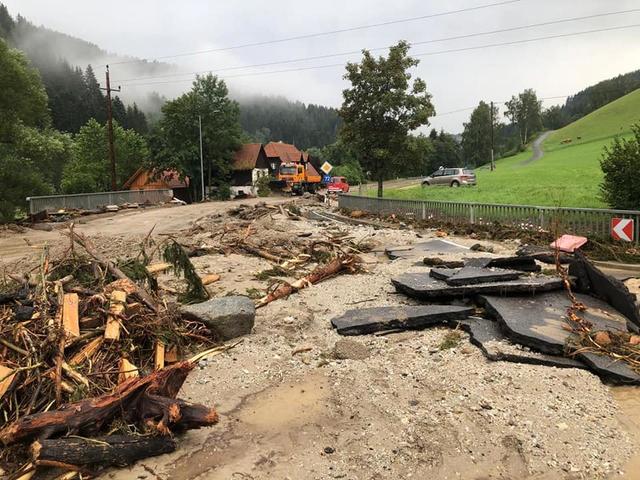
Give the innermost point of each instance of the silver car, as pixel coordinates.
(452, 177)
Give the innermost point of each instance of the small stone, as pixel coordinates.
(634, 340)
(602, 338)
(329, 450)
(562, 426)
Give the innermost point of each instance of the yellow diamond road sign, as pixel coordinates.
(326, 168)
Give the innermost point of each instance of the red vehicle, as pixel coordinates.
(338, 185)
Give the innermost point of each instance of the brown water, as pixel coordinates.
(628, 399)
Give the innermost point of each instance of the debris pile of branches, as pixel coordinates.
(90, 367)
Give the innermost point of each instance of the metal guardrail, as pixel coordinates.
(91, 201)
(590, 222)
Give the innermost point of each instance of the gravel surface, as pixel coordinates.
(296, 401)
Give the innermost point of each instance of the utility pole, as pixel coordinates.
(493, 166)
(112, 150)
(201, 158)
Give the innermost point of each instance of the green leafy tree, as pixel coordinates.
(525, 111)
(620, 164)
(19, 178)
(476, 138)
(89, 168)
(554, 118)
(446, 151)
(47, 150)
(23, 99)
(381, 107)
(176, 140)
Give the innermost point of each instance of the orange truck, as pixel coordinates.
(298, 178)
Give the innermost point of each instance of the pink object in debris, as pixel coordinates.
(569, 243)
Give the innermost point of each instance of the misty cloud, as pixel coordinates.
(150, 29)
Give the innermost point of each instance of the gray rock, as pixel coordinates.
(227, 317)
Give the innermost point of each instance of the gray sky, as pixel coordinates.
(152, 28)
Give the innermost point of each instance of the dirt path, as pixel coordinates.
(537, 148)
(17, 246)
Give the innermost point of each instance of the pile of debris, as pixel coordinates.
(91, 366)
(515, 311)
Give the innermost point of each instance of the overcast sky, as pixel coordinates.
(154, 28)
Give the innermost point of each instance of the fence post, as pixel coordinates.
(472, 214)
(424, 211)
(541, 220)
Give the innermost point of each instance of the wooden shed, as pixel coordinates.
(146, 179)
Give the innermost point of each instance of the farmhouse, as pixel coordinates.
(250, 163)
(147, 179)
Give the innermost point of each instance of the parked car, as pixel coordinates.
(452, 177)
(338, 185)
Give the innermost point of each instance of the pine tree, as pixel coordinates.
(94, 100)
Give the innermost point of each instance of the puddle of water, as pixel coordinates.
(629, 400)
(289, 405)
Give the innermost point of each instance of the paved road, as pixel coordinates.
(537, 148)
(14, 246)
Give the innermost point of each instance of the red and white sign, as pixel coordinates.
(622, 229)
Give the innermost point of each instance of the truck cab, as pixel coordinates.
(338, 185)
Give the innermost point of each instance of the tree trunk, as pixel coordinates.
(90, 415)
(113, 450)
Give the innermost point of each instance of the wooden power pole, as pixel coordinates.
(112, 150)
(493, 165)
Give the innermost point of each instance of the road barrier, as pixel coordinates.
(589, 222)
(91, 201)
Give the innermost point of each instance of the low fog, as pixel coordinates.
(148, 30)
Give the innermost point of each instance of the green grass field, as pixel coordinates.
(568, 175)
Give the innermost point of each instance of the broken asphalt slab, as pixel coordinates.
(590, 279)
(424, 248)
(540, 322)
(522, 263)
(486, 335)
(376, 319)
(613, 370)
(475, 275)
(422, 287)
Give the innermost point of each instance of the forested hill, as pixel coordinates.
(75, 96)
(594, 97)
(276, 118)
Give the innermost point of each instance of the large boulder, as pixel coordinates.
(227, 317)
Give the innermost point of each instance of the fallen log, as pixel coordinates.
(91, 414)
(337, 265)
(175, 414)
(113, 450)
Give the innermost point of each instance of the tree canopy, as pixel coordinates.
(176, 140)
(381, 107)
(525, 111)
(620, 164)
(476, 138)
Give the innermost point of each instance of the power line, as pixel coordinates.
(465, 109)
(424, 54)
(437, 40)
(326, 33)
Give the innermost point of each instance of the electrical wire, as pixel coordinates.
(424, 54)
(326, 33)
(437, 40)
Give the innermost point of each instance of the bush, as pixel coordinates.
(262, 184)
(351, 171)
(222, 192)
(19, 179)
(620, 164)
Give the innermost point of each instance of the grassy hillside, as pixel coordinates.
(613, 119)
(568, 175)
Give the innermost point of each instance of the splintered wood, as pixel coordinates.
(6, 377)
(70, 314)
(127, 370)
(116, 309)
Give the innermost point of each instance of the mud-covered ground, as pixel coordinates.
(297, 401)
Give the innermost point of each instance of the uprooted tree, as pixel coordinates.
(381, 107)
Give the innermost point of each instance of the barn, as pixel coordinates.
(250, 162)
(148, 179)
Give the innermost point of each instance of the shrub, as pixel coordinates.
(620, 164)
(262, 184)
